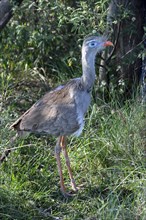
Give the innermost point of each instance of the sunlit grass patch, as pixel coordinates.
(107, 161)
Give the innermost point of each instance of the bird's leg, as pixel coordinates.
(63, 146)
(57, 155)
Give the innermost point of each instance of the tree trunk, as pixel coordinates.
(6, 12)
(125, 25)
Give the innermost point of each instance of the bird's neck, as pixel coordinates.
(88, 68)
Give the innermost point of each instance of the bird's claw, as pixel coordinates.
(70, 193)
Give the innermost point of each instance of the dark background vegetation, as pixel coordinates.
(40, 47)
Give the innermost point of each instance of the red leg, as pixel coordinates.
(63, 146)
(57, 155)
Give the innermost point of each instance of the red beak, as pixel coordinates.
(108, 43)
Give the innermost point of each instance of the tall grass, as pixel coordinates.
(107, 160)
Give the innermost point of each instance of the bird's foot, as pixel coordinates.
(71, 192)
(68, 194)
(73, 185)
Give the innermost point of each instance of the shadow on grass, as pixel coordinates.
(104, 193)
(13, 207)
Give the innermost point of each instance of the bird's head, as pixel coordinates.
(95, 44)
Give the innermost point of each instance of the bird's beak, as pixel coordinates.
(108, 43)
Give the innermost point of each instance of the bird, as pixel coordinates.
(61, 111)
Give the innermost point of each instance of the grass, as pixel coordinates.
(107, 160)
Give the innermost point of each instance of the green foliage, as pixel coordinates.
(45, 37)
(44, 34)
(41, 46)
(107, 161)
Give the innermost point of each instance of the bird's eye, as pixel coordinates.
(92, 44)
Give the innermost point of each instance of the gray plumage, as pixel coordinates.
(56, 113)
(61, 112)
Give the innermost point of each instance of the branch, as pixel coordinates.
(115, 44)
(5, 155)
(8, 151)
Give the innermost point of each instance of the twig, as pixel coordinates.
(129, 51)
(5, 155)
(115, 44)
(8, 151)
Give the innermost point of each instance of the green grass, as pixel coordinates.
(107, 160)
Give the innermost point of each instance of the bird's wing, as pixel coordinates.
(54, 114)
